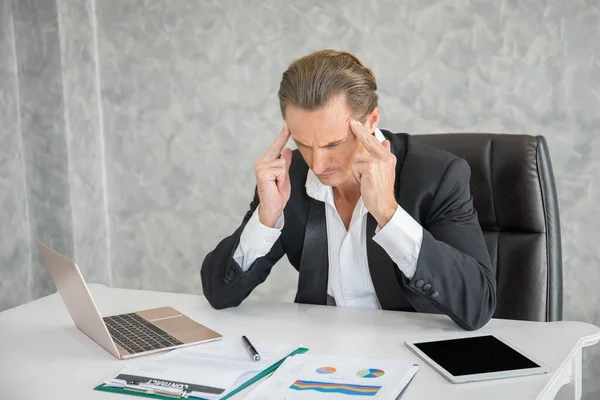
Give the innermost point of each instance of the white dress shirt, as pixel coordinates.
(349, 281)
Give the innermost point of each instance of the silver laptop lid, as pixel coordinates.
(77, 297)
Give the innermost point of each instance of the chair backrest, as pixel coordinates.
(513, 189)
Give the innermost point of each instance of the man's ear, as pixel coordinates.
(373, 119)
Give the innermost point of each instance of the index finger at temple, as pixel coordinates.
(279, 144)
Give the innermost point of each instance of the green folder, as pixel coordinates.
(266, 372)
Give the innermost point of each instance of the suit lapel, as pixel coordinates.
(314, 264)
(384, 274)
(381, 267)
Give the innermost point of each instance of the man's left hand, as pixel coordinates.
(376, 172)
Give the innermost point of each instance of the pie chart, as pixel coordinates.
(370, 373)
(326, 370)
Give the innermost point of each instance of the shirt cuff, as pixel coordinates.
(401, 238)
(257, 240)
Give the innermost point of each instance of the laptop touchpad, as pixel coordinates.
(185, 329)
(158, 313)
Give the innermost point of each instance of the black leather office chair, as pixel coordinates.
(513, 190)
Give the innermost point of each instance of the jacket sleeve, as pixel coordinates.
(224, 282)
(454, 271)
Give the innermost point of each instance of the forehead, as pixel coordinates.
(322, 126)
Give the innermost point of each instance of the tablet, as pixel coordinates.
(476, 358)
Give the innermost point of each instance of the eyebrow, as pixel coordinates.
(326, 145)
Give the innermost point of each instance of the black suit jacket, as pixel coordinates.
(454, 274)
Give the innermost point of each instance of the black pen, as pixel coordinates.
(251, 350)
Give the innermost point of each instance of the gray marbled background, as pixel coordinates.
(129, 128)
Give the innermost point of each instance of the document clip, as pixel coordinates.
(153, 389)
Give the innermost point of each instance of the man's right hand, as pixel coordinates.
(273, 179)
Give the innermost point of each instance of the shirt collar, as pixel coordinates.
(324, 193)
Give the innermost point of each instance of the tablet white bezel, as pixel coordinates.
(542, 369)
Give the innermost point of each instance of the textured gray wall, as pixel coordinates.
(83, 130)
(15, 254)
(129, 129)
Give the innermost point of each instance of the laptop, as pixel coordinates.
(125, 335)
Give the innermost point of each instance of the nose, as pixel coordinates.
(319, 162)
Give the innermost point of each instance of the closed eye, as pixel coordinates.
(328, 146)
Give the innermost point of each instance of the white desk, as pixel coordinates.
(43, 355)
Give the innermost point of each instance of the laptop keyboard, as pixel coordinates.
(136, 335)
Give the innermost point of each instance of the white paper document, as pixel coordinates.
(314, 376)
(209, 370)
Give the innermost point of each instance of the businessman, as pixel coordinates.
(369, 218)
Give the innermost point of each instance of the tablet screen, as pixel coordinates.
(475, 355)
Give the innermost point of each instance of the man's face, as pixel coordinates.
(325, 139)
